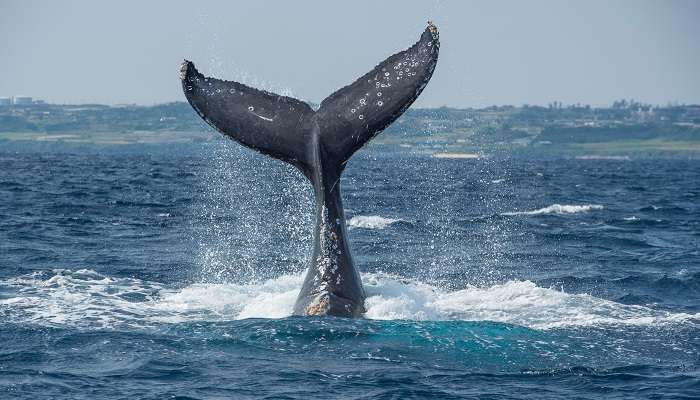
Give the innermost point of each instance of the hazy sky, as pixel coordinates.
(492, 52)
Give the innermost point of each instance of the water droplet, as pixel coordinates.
(430, 44)
(361, 116)
(251, 108)
(218, 90)
(407, 70)
(383, 85)
(353, 110)
(379, 94)
(377, 84)
(189, 87)
(380, 103)
(363, 101)
(232, 91)
(386, 74)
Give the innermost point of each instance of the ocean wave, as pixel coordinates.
(458, 155)
(89, 300)
(370, 222)
(603, 157)
(558, 209)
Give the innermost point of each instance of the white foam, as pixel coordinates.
(515, 302)
(370, 222)
(558, 209)
(457, 155)
(270, 299)
(602, 157)
(89, 300)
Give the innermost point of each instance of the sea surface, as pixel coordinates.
(170, 271)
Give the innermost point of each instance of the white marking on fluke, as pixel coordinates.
(261, 117)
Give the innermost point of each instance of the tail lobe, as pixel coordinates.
(354, 114)
(275, 125)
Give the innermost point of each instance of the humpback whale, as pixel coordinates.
(319, 143)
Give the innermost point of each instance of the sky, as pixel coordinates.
(492, 52)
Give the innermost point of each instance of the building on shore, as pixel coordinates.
(22, 101)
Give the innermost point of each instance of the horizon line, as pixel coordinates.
(553, 104)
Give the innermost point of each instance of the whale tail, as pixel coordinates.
(283, 127)
(319, 143)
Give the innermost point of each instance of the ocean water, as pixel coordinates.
(170, 271)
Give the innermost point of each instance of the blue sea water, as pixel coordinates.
(170, 271)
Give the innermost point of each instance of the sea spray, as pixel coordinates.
(246, 206)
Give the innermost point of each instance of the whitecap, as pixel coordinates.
(370, 222)
(603, 157)
(558, 209)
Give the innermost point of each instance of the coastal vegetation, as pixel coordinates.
(626, 126)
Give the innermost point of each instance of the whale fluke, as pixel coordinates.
(319, 143)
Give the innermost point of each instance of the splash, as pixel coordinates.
(89, 300)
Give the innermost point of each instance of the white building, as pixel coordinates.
(22, 100)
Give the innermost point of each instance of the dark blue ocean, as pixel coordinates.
(170, 271)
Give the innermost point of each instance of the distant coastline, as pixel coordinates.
(625, 127)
